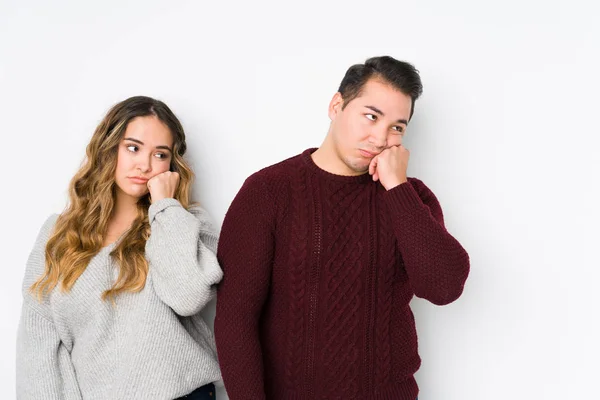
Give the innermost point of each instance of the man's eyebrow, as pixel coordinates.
(378, 111)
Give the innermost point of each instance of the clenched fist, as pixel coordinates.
(163, 185)
(389, 166)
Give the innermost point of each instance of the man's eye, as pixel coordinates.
(399, 129)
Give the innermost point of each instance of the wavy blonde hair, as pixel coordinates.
(79, 231)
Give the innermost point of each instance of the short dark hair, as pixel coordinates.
(400, 74)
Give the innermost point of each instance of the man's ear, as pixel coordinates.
(335, 105)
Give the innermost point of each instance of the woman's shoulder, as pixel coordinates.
(49, 224)
(36, 261)
(46, 231)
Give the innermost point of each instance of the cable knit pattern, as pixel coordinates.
(344, 260)
(149, 345)
(388, 264)
(298, 254)
(319, 272)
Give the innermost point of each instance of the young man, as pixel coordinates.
(323, 252)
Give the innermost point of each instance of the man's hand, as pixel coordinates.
(389, 166)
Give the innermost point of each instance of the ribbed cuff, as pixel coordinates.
(161, 205)
(403, 198)
(212, 275)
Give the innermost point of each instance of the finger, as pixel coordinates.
(156, 178)
(373, 165)
(376, 176)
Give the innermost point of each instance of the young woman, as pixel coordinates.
(114, 284)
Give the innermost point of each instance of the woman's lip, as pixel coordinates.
(139, 180)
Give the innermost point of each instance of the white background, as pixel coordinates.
(506, 135)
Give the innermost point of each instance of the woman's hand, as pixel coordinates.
(163, 186)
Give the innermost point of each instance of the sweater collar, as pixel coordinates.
(321, 173)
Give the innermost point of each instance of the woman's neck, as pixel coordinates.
(123, 214)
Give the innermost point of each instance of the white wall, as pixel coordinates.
(504, 135)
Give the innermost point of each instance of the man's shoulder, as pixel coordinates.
(278, 173)
(424, 192)
(416, 182)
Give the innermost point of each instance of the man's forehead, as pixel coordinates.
(391, 102)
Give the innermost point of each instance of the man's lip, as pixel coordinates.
(367, 153)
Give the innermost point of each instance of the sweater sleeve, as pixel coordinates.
(436, 263)
(181, 252)
(44, 369)
(245, 251)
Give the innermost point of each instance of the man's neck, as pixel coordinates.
(326, 158)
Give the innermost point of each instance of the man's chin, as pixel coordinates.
(359, 168)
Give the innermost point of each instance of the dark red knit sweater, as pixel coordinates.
(319, 273)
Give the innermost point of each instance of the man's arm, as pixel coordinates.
(436, 263)
(245, 253)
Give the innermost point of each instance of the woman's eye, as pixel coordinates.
(399, 129)
(160, 155)
(132, 148)
(371, 117)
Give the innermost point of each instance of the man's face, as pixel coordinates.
(370, 123)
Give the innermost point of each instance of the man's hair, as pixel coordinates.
(399, 74)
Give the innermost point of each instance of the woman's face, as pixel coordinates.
(145, 151)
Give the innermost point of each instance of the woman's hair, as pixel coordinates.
(79, 231)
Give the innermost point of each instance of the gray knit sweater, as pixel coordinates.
(150, 345)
